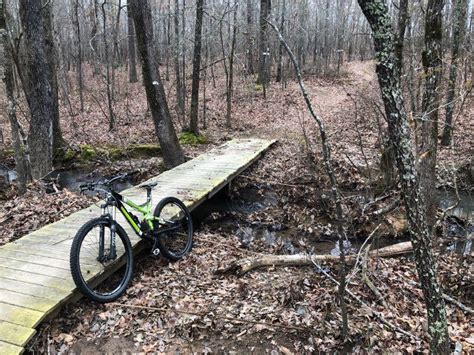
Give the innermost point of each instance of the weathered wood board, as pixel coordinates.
(35, 278)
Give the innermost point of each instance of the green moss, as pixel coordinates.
(143, 150)
(191, 138)
(88, 152)
(258, 87)
(7, 153)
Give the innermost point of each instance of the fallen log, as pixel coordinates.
(242, 266)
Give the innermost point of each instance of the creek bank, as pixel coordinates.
(253, 215)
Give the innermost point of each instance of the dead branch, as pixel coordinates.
(242, 266)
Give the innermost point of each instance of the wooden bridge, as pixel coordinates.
(35, 278)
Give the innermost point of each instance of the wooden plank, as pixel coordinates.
(41, 260)
(15, 334)
(37, 279)
(25, 317)
(28, 288)
(10, 349)
(27, 301)
(34, 271)
(39, 250)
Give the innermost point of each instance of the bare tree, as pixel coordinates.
(108, 80)
(264, 44)
(19, 139)
(377, 15)
(432, 65)
(38, 86)
(177, 64)
(402, 25)
(172, 152)
(196, 68)
(79, 53)
(132, 65)
(459, 30)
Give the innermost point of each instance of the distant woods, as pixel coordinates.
(69, 45)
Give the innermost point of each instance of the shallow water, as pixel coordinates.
(232, 212)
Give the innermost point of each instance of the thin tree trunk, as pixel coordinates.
(432, 65)
(177, 65)
(79, 54)
(51, 57)
(196, 68)
(459, 29)
(333, 182)
(376, 13)
(248, 38)
(172, 152)
(93, 38)
(19, 140)
(107, 71)
(230, 84)
(132, 64)
(265, 10)
(402, 25)
(280, 47)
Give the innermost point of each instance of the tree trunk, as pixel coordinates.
(107, 71)
(249, 40)
(132, 65)
(265, 10)
(38, 86)
(155, 93)
(177, 65)
(459, 29)
(377, 15)
(230, 83)
(79, 54)
(433, 66)
(280, 47)
(19, 141)
(93, 38)
(402, 25)
(196, 68)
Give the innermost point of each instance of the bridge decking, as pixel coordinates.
(35, 278)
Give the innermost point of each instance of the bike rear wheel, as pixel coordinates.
(175, 228)
(100, 270)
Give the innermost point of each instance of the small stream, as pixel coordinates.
(458, 229)
(67, 179)
(228, 215)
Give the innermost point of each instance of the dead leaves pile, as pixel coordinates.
(35, 209)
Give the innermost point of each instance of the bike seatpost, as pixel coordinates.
(148, 194)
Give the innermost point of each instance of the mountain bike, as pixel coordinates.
(101, 257)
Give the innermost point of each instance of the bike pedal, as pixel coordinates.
(155, 252)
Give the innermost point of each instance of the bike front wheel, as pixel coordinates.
(101, 260)
(174, 229)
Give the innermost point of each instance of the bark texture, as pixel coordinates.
(433, 66)
(19, 142)
(378, 17)
(172, 152)
(38, 86)
(459, 30)
(132, 53)
(264, 55)
(196, 67)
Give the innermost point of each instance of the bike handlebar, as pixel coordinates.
(91, 185)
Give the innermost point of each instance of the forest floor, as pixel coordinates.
(280, 206)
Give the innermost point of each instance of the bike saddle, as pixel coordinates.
(149, 186)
